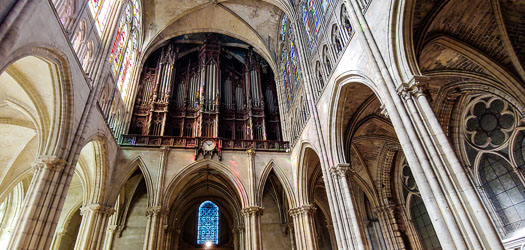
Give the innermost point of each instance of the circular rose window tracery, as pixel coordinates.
(489, 122)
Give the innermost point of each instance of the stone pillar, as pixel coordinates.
(93, 226)
(36, 225)
(252, 221)
(110, 236)
(331, 232)
(461, 191)
(304, 225)
(390, 228)
(155, 228)
(340, 173)
(242, 237)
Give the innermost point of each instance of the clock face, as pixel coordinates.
(208, 145)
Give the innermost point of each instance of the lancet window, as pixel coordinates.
(291, 70)
(101, 10)
(208, 223)
(126, 45)
(313, 14)
(417, 211)
(494, 144)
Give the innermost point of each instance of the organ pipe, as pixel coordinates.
(185, 100)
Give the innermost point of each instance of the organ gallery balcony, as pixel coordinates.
(196, 143)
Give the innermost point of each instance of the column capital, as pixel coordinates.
(155, 211)
(49, 162)
(305, 209)
(247, 211)
(341, 170)
(403, 90)
(384, 112)
(96, 208)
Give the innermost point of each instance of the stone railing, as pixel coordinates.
(195, 142)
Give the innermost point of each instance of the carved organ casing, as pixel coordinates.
(206, 89)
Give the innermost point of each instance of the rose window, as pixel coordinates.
(489, 122)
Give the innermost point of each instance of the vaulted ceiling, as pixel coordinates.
(255, 22)
(465, 34)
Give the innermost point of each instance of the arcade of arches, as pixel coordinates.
(274, 124)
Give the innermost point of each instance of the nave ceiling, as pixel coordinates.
(255, 22)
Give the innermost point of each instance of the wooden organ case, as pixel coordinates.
(196, 90)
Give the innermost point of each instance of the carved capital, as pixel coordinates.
(248, 211)
(404, 91)
(302, 210)
(155, 211)
(49, 162)
(96, 208)
(341, 170)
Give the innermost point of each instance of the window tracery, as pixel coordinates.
(493, 140)
(208, 223)
(126, 46)
(417, 210)
(101, 10)
(290, 67)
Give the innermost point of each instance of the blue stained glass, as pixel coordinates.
(208, 224)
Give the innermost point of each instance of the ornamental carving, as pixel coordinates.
(489, 122)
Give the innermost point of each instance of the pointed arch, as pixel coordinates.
(59, 126)
(272, 166)
(136, 164)
(224, 170)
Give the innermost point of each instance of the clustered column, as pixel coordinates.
(304, 227)
(93, 226)
(252, 222)
(155, 227)
(40, 210)
(352, 232)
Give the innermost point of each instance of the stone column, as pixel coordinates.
(110, 236)
(304, 225)
(340, 174)
(390, 227)
(331, 232)
(252, 221)
(155, 228)
(461, 189)
(36, 225)
(93, 226)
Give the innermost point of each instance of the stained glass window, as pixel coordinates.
(307, 25)
(100, 10)
(208, 223)
(291, 70)
(418, 211)
(324, 5)
(423, 224)
(316, 19)
(126, 45)
(505, 190)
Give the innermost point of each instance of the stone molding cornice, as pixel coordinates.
(155, 211)
(341, 170)
(302, 210)
(49, 162)
(96, 208)
(248, 211)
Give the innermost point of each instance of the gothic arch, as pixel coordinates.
(345, 83)
(307, 150)
(282, 178)
(136, 164)
(94, 152)
(55, 134)
(174, 184)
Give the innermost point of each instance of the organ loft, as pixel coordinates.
(206, 89)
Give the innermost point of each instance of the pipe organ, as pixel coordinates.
(210, 88)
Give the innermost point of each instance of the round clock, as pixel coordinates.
(208, 145)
